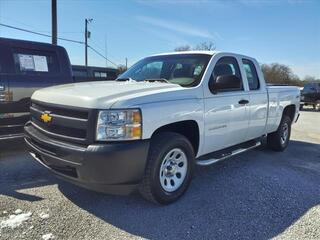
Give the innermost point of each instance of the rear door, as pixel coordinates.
(258, 104)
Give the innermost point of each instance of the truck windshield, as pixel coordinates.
(183, 69)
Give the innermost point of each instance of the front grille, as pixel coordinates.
(63, 111)
(68, 124)
(61, 130)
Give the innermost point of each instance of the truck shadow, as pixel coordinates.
(256, 195)
(18, 172)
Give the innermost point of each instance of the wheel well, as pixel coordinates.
(290, 111)
(189, 129)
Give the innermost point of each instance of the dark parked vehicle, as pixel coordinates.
(310, 95)
(26, 66)
(84, 74)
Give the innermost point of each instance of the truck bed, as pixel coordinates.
(279, 98)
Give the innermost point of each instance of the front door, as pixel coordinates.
(226, 114)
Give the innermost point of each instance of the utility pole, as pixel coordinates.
(86, 36)
(54, 22)
(106, 49)
(126, 63)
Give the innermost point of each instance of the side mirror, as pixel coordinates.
(224, 83)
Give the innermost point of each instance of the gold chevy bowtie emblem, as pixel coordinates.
(45, 117)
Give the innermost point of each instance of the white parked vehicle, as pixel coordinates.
(166, 113)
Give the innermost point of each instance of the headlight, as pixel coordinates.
(115, 125)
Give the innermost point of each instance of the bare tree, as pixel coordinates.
(208, 46)
(182, 48)
(122, 68)
(205, 46)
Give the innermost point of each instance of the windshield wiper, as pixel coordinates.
(125, 79)
(157, 80)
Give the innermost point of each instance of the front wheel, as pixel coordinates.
(169, 168)
(279, 140)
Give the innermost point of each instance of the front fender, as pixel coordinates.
(156, 115)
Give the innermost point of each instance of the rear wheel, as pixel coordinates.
(279, 140)
(169, 168)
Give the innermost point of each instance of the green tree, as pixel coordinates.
(277, 73)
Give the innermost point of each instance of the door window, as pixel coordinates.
(227, 66)
(251, 74)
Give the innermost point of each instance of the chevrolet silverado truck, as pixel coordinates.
(164, 115)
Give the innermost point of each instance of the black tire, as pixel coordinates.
(161, 144)
(276, 140)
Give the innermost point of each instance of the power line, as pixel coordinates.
(40, 34)
(64, 39)
(97, 46)
(102, 56)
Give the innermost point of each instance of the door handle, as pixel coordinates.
(243, 101)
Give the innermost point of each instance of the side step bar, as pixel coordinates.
(226, 155)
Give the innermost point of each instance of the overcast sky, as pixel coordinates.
(285, 31)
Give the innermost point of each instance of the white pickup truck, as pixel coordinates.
(148, 129)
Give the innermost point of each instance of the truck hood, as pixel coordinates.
(103, 95)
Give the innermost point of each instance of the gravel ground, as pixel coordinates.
(257, 195)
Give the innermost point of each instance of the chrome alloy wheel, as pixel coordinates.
(285, 133)
(173, 170)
